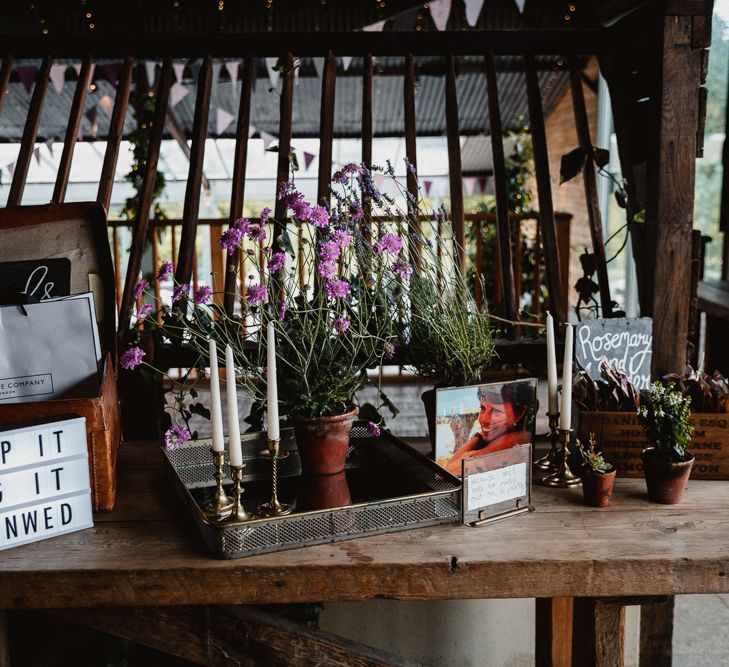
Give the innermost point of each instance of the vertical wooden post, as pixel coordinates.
(552, 259)
(455, 171)
(411, 153)
(116, 132)
(367, 126)
(502, 190)
(553, 632)
(656, 633)
(5, 72)
(191, 209)
(284, 139)
(32, 122)
(238, 185)
(598, 635)
(672, 200)
(591, 197)
(326, 128)
(563, 223)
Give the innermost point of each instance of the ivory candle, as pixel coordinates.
(236, 454)
(272, 385)
(552, 402)
(216, 408)
(565, 417)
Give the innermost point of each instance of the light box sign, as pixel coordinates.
(44, 481)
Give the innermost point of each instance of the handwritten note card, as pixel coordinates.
(496, 486)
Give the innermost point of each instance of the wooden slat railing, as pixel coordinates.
(454, 160)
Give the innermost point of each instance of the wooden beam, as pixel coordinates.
(598, 635)
(553, 632)
(74, 122)
(238, 185)
(656, 634)
(366, 123)
(139, 233)
(326, 128)
(30, 132)
(502, 191)
(5, 72)
(455, 170)
(116, 132)
(284, 139)
(411, 153)
(191, 210)
(547, 226)
(591, 197)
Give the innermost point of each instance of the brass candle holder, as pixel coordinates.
(221, 504)
(273, 507)
(238, 511)
(548, 463)
(563, 477)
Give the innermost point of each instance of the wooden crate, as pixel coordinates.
(621, 439)
(77, 231)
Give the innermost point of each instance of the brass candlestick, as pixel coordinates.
(238, 512)
(273, 507)
(220, 506)
(563, 476)
(548, 463)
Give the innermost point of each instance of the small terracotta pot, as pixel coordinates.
(597, 487)
(323, 442)
(665, 480)
(323, 492)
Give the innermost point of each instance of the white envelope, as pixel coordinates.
(52, 352)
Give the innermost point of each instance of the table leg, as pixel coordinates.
(4, 640)
(553, 632)
(598, 634)
(656, 633)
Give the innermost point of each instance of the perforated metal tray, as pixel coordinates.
(393, 487)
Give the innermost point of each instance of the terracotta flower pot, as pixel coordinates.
(323, 492)
(597, 488)
(665, 480)
(323, 442)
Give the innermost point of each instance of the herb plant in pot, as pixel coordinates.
(665, 414)
(598, 476)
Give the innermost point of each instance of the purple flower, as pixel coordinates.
(203, 294)
(286, 188)
(175, 436)
(319, 217)
(231, 239)
(255, 294)
(282, 309)
(264, 215)
(276, 262)
(373, 429)
(327, 269)
(301, 208)
(243, 224)
(342, 238)
(336, 289)
(389, 350)
(165, 271)
(180, 291)
(391, 243)
(140, 287)
(341, 323)
(357, 213)
(144, 311)
(257, 234)
(132, 358)
(402, 269)
(342, 175)
(329, 251)
(409, 166)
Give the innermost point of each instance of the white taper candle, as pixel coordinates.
(236, 455)
(565, 416)
(216, 408)
(552, 402)
(272, 385)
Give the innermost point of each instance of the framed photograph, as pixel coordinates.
(481, 419)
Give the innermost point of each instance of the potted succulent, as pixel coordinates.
(598, 476)
(665, 415)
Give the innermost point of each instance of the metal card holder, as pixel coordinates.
(490, 492)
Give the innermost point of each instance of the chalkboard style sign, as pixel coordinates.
(44, 481)
(34, 280)
(627, 343)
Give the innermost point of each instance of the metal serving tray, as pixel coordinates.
(393, 487)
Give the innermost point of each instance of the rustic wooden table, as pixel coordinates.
(145, 554)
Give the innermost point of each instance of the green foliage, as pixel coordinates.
(591, 458)
(665, 414)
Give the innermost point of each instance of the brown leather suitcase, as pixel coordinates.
(77, 231)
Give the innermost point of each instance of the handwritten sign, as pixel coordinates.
(627, 343)
(44, 481)
(496, 486)
(37, 280)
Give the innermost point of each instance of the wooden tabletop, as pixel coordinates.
(146, 552)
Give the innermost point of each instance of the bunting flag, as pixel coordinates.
(151, 67)
(520, 5)
(473, 11)
(232, 67)
(379, 180)
(273, 75)
(179, 71)
(346, 62)
(308, 159)
(482, 184)
(36, 155)
(107, 104)
(267, 138)
(251, 131)
(112, 72)
(11, 169)
(58, 77)
(49, 144)
(222, 119)
(469, 185)
(440, 10)
(77, 67)
(91, 115)
(27, 74)
(177, 93)
(319, 66)
(427, 185)
(374, 27)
